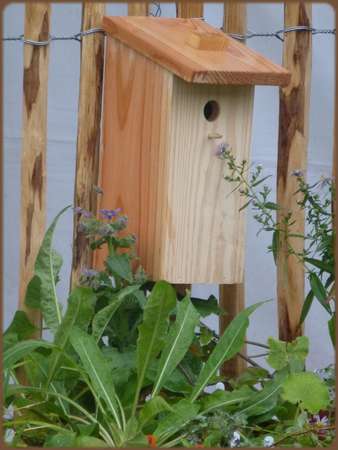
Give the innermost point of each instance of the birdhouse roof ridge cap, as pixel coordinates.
(195, 51)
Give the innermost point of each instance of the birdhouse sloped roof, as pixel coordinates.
(195, 51)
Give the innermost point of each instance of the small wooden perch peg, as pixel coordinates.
(215, 136)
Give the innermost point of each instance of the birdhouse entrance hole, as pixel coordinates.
(211, 110)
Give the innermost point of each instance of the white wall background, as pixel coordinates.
(62, 122)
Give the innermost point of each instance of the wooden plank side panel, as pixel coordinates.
(185, 10)
(88, 138)
(232, 296)
(133, 166)
(204, 240)
(33, 158)
(292, 155)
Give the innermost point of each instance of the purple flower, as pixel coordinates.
(83, 212)
(109, 213)
(89, 273)
(104, 230)
(297, 173)
(221, 149)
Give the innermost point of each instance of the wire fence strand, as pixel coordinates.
(279, 34)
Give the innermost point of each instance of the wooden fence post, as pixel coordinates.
(189, 9)
(138, 8)
(292, 156)
(89, 127)
(232, 296)
(33, 157)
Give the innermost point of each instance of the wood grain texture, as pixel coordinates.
(33, 157)
(89, 123)
(189, 9)
(159, 166)
(232, 296)
(138, 8)
(168, 43)
(292, 155)
(204, 239)
(235, 14)
(135, 117)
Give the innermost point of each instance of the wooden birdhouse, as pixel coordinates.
(174, 90)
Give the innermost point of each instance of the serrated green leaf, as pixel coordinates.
(264, 400)
(98, 370)
(120, 265)
(79, 313)
(292, 354)
(41, 291)
(225, 399)
(153, 330)
(22, 349)
(228, 345)
(277, 358)
(104, 316)
(206, 336)
(33, 293)
(178, 342)
(20, 326)
(185, 411)
(206, 307)
(63, 439)
(308, 390)
(177, 382)
(152, 408)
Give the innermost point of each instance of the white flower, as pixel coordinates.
(9, 413)
(148, 397)
(268, 441)
(219, 387)
(9, 435)
(105, 340)
(235, 440)
(321, 421)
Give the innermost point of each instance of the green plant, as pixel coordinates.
(317, 244)
(131, 364)
(115, 345)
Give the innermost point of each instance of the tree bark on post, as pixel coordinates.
(232, 296)
(89, 129)
(292, 157)
(34, 145)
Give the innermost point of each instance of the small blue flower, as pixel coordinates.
(89, 273)
(109, 213)
(83, 212)
(221, 149)
(268, 441)
(297, 173)
(235, 440)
